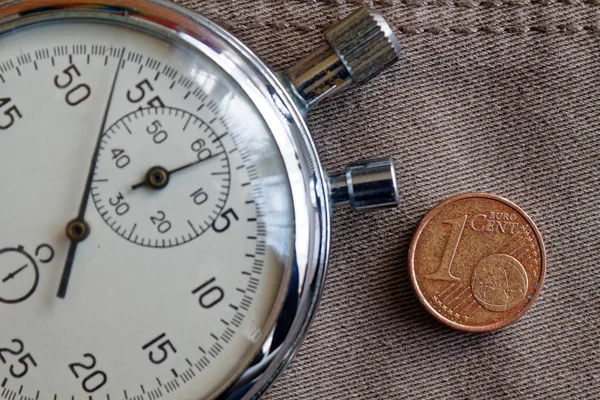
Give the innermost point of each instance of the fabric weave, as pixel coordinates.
(493, 95)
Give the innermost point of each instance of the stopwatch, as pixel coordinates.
(165, 219)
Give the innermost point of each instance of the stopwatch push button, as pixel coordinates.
(365, 185)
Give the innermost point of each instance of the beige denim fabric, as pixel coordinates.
(493, 95)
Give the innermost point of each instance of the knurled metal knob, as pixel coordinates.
(365, 44)
(358, 48)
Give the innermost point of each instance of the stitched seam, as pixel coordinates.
(439, 30)
(496, 30)
(485, 3)
(575, 26)
(457, 3)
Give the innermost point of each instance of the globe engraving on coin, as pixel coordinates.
(499, 282)
(477, 262)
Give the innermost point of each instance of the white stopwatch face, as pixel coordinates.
(146, 217)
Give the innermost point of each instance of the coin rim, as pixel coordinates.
(411, 264)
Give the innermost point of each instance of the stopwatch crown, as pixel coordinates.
(365, 44)
(358, 48)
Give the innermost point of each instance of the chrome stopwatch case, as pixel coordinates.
(164, 223)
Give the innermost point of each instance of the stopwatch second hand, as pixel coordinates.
(165, 175)
(78, 229)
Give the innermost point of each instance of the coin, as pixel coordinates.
(477, 262)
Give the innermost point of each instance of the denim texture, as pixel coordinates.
(500, 96)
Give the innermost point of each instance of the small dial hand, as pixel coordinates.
(78, 229)
(158, 177)
(13, 274)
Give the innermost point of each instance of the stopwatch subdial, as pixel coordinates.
(162, 177)
(19, 275)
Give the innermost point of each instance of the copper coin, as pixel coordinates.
(477, 262)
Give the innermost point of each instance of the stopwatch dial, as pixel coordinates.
(162, 177)
(188, 224)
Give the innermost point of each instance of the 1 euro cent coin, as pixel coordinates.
(477, 262)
